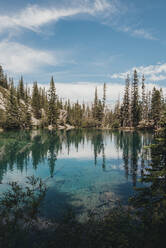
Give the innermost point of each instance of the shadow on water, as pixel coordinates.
(57, 204)
(124, 191)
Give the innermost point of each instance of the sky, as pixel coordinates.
(83, 43)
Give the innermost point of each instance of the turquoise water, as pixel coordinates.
(83, 169)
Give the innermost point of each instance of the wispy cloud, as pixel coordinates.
(16, 58)
(34, 17)
(109, 12)
(142, 33)
(151, 72)
(138, 32)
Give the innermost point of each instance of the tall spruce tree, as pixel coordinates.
(143, 102)
(77, 115)
(27, 112)
(12, 120)
(156, 106)
(21, 88)
(3, 79)
(104, 95)
(104, 104)
(52, 104)
(97, 110)
(126, 104)
(36, 105)
(95, 105)
(135, 107)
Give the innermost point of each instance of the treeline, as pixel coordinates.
(25, 108)
(141, 110)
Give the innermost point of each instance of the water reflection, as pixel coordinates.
(82, 168)
(17, 148)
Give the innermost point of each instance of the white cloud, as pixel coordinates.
(103, 5)
(17, 58)
(142, 33)
(86, 151)
(151, 72)
(157, 78)
(34, 16)
(84, 91)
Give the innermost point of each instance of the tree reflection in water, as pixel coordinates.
(17, 148)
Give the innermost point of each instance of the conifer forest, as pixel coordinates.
(25, 108)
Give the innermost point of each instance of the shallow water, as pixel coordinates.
(83, 169)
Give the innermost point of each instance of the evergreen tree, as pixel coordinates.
(36, 105)
(143, 103)
(27, 113)
(12, 120)
(156, 106)
(104, 95)
(21, 91)
(126, 104)
(5, 82)
(95, 105)
(3, 79)
(104, 104)
(52, 104)
(117, 115)
(77, 115)
(135, 107)
(97, 110)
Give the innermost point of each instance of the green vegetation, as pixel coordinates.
(19, 208)
(21, 108)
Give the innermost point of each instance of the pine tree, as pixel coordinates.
(21, 88)
(104, 104)
(95, 105)
(12, 120)
(156, 106)
(27, 113)
(97, 110)
(143, 103)
(100, 113)
(52, 104)
(36, 105)
(77, 115)
(135, 108)
(3, 79)
(116, 117)
(5, 82)
(104, 95)
(126, 104)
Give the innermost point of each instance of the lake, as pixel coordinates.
(83, 169)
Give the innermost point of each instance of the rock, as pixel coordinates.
(50, 127)
(2, 102)
(62, 117)
(69, 127)
(35, 122)
(61, 127)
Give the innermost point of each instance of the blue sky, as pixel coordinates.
(83, 42)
